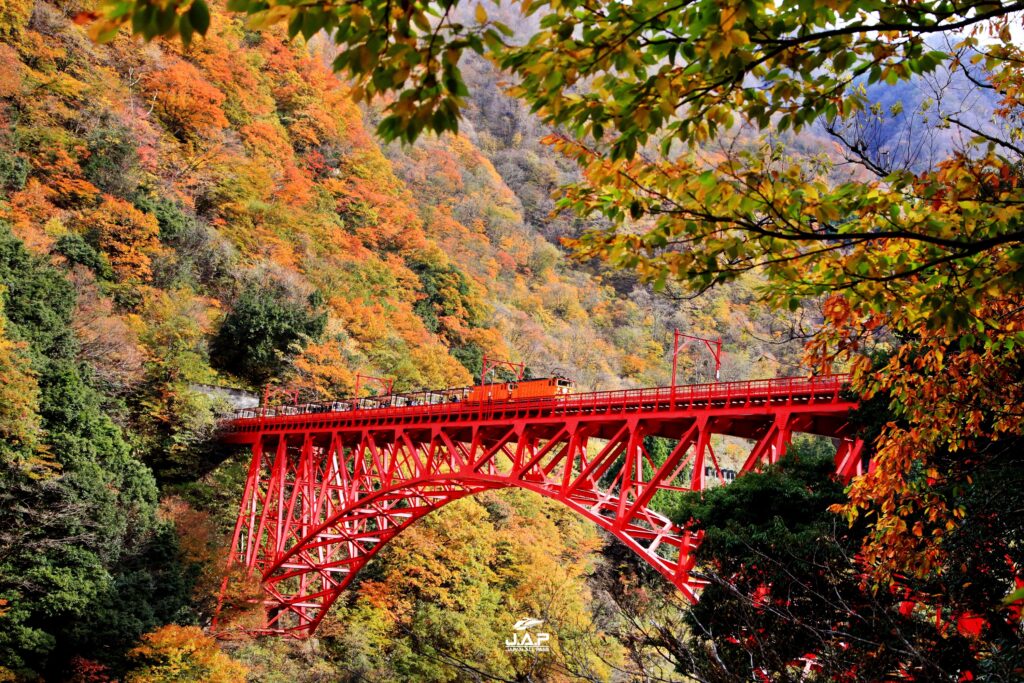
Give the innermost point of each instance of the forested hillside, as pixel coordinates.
(281, 195)
(222, 215)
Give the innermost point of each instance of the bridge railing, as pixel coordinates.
(454, 401)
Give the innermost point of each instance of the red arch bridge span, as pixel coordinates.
(327, 489)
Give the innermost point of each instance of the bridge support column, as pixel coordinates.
(240, 542)
(701, 448)
(850, 458)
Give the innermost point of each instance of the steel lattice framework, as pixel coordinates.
(327, 490)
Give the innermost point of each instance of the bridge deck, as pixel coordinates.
(719, 398)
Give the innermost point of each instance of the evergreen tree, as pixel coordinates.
(79, 537)
(265, 328)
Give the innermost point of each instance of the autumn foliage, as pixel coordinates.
(19, 392)
(182, 653)
(220, 213)
(171, 219)
(124, 234)
(187, 104)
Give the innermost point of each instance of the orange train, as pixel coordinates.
(549, 387)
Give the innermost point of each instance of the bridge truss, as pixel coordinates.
(327, 490)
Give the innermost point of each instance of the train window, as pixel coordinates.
(727, 474)
(564, 383)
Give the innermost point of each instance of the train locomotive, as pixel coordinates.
(548, 387)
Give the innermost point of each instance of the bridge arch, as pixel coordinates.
(326, 492)
(304, 582)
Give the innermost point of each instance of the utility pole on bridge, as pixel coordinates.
(714, 346)
(489, 364)
(385, 383)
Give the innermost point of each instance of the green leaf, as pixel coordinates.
(185, 30)
(199, 16)
(1014, 597)
(165, 19)
(294, 24)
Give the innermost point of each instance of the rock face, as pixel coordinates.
(236, 398)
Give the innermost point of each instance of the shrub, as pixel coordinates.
(266, 327)
(183, 653)
(76, 249)
(112, 164)
(124, 234)
(13, 171)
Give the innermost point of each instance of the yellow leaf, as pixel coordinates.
(720, 46)
(481, 14)
(729, 15)
(738, 37)
(728, 18)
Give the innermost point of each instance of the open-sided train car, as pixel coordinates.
(547, 387)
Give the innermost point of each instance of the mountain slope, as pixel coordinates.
(222, 215)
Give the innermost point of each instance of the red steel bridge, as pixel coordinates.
(330, 484)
